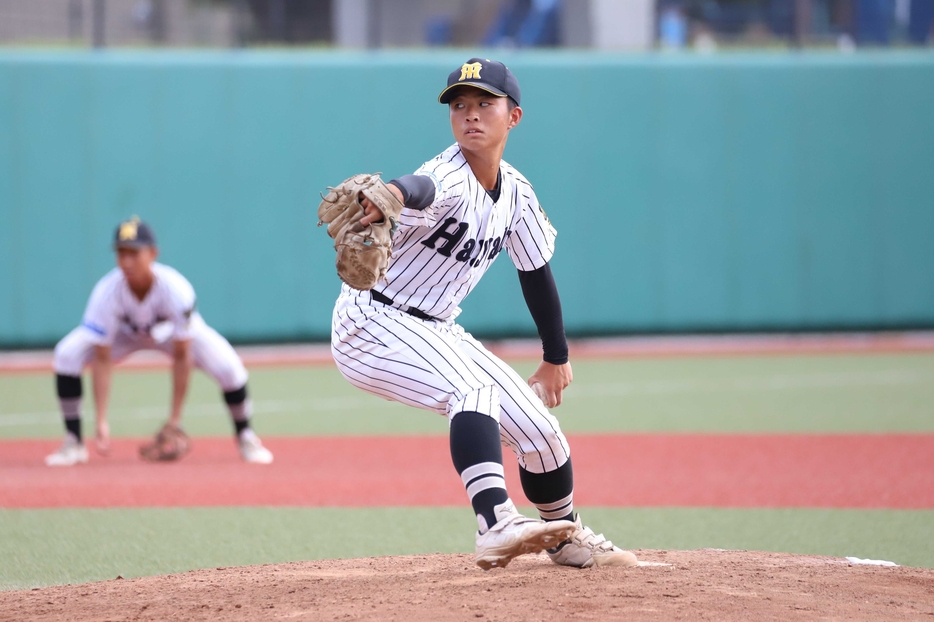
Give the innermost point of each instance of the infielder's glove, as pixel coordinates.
(171, 443)
(362, 252)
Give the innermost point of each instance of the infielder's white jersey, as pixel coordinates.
(115, 317)
(114, 308)
(440, 253)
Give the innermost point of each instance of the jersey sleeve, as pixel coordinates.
(448, 181)
(100, 314)
(182, 302)
(418, 191)
(531, 242)
(181, 320)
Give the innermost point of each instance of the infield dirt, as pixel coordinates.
(693, 585)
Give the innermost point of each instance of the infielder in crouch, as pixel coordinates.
(400, 341)
(142, 304)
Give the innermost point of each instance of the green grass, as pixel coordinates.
(878, 393)
(53, 547)
(862, 393)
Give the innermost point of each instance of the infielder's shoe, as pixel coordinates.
(585, 549)
(515, 534)
(71, 452)
(251, 448)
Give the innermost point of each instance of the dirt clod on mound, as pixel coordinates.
(691, 585)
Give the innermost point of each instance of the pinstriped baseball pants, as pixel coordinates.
(438, 366)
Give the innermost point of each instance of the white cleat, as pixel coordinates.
(585, 549)
(516, 535)
(251, 448)
(71, 452)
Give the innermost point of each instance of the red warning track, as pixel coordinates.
(829, 471)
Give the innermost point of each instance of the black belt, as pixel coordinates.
(386, 300)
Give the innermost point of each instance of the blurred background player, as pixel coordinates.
(144, 305)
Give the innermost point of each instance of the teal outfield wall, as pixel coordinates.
(747, 192)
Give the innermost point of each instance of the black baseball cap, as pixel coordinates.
(134, 233)
(489, 75)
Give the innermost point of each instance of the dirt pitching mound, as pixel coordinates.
(704, 584)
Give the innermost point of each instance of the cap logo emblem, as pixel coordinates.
(471, 71)
(128, 230)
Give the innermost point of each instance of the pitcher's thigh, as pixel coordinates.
(526, 426)
(403, 359)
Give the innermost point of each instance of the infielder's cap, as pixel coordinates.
(489, 75)
(134, 233)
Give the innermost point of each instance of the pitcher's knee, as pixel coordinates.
(544, 453)
(484, 400)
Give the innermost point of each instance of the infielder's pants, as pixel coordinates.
(438, 366)
(210, 352)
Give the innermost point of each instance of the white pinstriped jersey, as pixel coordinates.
(441, 252)
(113, 307)
(439, 255)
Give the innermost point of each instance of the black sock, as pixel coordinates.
(552, 493)
(239, 409)
(73, 426)
(68, 389)
(478, 458)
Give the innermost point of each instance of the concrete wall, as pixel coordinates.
(716, 193)
(126, 23)
(628, 25)
(403, 23)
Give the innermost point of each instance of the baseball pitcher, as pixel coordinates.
(409, 252)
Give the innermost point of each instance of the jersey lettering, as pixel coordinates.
(473, 251)
(496, 247)
(466, 230)
(486, 249)
(481, 250)
(467, 251)
(453, 238)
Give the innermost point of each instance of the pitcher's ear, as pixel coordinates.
(515, 115)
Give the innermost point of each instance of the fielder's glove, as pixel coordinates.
(171, 443)
(362, 252)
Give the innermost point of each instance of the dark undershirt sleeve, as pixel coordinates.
(418, 191)
(541, 295)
